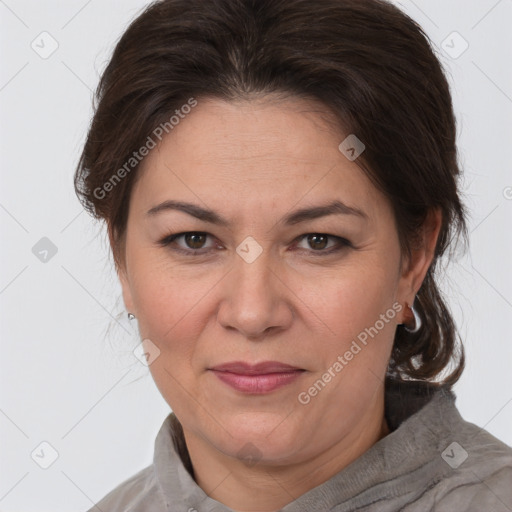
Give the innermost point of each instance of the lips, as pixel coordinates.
(256, 378)
(263, 368)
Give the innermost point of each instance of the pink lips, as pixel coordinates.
(259, 378)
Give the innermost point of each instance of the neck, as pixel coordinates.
(266, 487)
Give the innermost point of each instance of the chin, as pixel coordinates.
(268, 437)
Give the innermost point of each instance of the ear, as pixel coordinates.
(415, 268)
(126, 288)
(118, 250)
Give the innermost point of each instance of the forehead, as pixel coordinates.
(251, 132)
(251, 153)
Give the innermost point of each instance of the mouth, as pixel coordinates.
(258, 378)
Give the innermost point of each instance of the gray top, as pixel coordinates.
(433, 460)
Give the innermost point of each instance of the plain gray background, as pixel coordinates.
(68, 375)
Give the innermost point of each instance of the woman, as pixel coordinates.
(279, 181)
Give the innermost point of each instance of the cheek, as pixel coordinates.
(352, 299)
(357, 310)
(175, 303)
(173, 315)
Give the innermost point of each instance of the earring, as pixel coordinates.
(130, 316)
(417, 320)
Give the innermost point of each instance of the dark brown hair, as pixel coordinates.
(372, 67)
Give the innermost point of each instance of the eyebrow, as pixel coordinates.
(333, 208)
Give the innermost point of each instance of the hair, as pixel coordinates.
(370, 64)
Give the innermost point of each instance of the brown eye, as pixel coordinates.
(322, 244)
(192, 243)
(195, 240)
(318, 242)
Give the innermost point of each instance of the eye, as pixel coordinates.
(319, 243)
(193, 242)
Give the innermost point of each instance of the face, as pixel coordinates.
(253, 268)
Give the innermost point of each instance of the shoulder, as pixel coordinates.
(480, 475)
(493, 492)
(139, 493)
(465, 466)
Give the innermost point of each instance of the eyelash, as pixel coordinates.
(343, 243)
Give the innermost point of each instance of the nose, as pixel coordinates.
(255, 301)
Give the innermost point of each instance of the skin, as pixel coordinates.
(254, 162)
